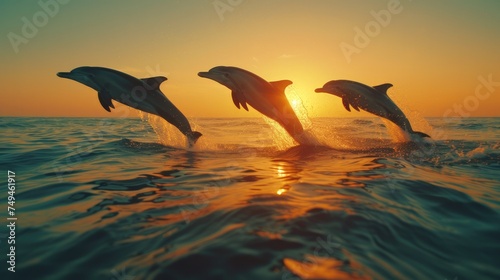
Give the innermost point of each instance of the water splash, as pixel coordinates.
(298, 107)
(396, 133)
(281, 139)
(166, 133)
(340, 134)
(417, 121)
(332, 134)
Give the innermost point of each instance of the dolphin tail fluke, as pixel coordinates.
(193, 137)
(421, 134)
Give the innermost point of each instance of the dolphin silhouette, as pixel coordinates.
(371, 99)
(141, 94)
(266, 97)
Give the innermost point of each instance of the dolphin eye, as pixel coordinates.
(226, 75)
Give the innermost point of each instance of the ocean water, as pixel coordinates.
(124, 199)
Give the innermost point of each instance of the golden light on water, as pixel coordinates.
(280, 171)
(281, 191)
(316, 267)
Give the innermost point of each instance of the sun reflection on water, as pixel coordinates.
(280, 171)
(283, 189)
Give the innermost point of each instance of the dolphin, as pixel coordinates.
(266, 97)
(371, 99)
(141, 94)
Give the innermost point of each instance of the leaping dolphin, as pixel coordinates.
(141, 94)
(266, 97)
(371, 99)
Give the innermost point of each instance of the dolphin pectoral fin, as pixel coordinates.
(346, 104)
(105, 100)
(154, 82)
(281, 85)
(239, 99)
(244, 105)
(383, 88)
(235, 99)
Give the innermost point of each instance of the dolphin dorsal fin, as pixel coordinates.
(154, 82)
(383, 88)
(281, 85)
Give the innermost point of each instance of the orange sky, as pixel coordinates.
(433, 52)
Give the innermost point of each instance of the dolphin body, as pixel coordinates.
(266, 97)
(371, 99)
(141, 94)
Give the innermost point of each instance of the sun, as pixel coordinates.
(298, 106)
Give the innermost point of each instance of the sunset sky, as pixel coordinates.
(439, 55)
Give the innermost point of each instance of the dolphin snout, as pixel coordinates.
(320, 90)
(204, 74)
(64, 74)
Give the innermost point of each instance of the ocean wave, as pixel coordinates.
(123, 204)
(362, 122)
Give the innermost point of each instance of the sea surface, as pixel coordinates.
(125, 199)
